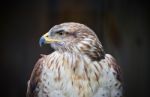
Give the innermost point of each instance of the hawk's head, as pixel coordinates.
(73, 37)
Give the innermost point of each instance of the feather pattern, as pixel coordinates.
(78, 69)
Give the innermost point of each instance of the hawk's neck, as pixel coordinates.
(66, 58)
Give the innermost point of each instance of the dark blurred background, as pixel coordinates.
(121, 25)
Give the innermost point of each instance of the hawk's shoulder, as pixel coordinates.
(113, 64)
(35, 77)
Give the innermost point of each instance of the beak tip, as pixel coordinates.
(41, 41)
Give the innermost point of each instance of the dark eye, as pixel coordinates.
(60, 32)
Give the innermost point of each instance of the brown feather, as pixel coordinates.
(35, 78)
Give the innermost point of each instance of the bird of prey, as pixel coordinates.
(78, 67)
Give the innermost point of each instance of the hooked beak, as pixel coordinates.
(45, 39)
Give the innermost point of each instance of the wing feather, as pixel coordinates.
(113, 63)
(35, 78)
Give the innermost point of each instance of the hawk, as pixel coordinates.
(78, 67)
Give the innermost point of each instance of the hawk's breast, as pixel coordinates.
(73, 75)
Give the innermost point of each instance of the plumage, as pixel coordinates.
(78, 67)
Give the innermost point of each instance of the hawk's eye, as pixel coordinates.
(60, 32)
